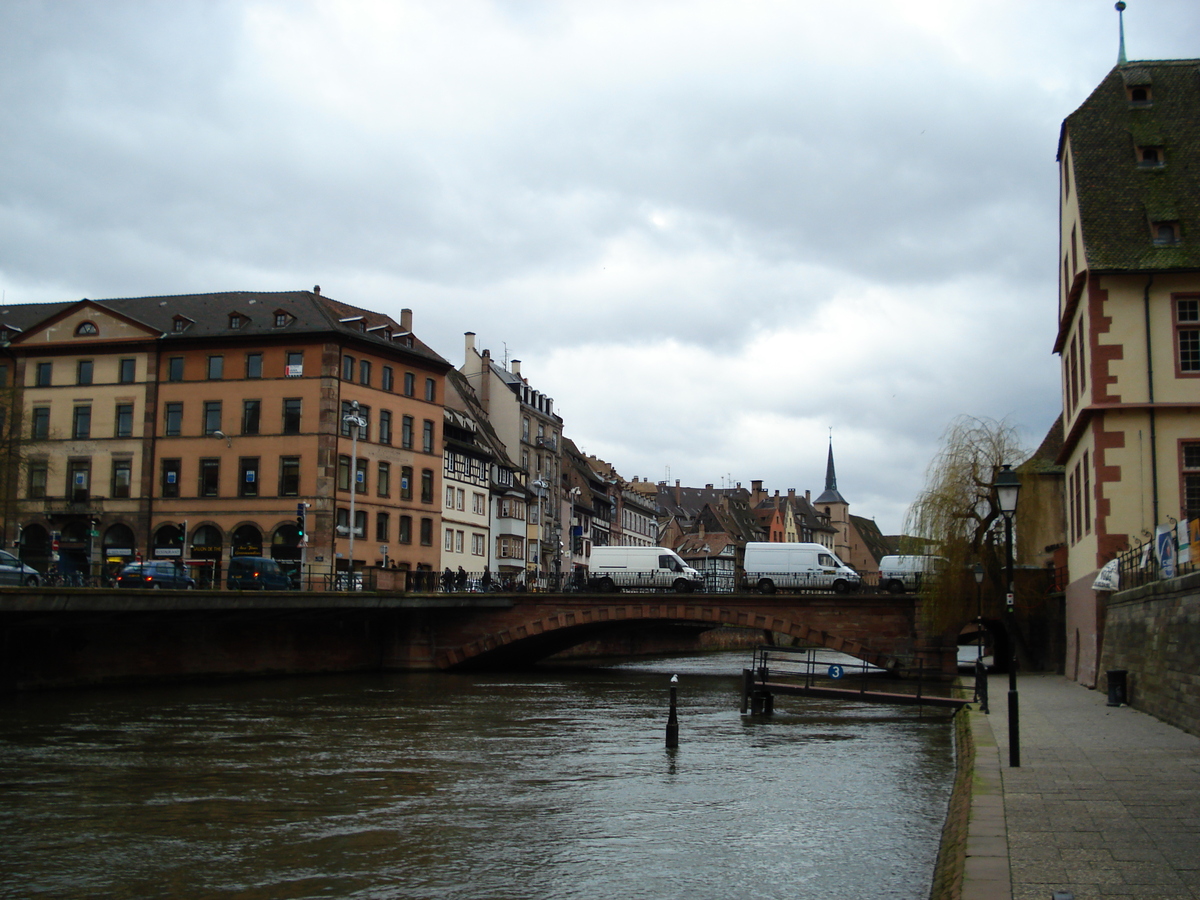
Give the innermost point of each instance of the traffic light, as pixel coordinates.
(300, 527)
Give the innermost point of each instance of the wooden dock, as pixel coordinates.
(855, 694)
(786, 672)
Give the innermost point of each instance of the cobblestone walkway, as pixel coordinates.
(1106, 802)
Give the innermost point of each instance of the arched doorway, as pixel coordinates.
(204, 562)
(246, 541)
(34, 547)
(168, 543)
(285, 550)
(118, 547)
(74, 548)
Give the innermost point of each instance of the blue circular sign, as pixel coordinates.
(836, 672)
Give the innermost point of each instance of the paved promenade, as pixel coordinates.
(1106, 802)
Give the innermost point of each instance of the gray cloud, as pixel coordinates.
(764, 219)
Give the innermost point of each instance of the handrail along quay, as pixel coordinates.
(798, 672)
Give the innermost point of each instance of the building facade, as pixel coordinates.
(1128, 324)
(525, 421)
(200, 427)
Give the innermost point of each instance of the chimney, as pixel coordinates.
(317, 289)
(678, 494)
(777, 499)
(469, 340)
(406, 320)
(791, 493)
(756, 487)
(516, 367)
(808, 496)
(708, 487)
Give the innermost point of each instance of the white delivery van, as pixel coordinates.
(770, 567)
(907, 573)
(650, 568)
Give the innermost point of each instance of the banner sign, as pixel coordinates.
(1164, 545)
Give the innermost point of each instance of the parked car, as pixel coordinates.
(13, 571)
(155, 574)
(257, 573)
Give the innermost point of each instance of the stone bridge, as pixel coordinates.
(69, 637)
(876, 628)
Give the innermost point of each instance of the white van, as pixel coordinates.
(613, 568)
(907, 573)
(772, 566)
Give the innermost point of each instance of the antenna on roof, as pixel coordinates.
(505, 343)
(1121, 18)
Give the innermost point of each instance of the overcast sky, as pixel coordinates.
(712, 231)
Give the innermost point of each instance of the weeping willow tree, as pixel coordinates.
(956, 515)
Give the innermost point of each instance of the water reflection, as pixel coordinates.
(548, 784)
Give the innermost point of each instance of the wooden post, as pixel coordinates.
(672, 718)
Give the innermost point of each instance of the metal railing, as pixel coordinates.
(1140, 565)
(803, 666)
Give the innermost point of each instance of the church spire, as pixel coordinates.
(1121, 19)
(831, 494)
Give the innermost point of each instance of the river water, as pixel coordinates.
(552, 784)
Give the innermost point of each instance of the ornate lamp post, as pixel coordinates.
(981, 685)
(1008, 487)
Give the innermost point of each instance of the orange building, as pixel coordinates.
(196, 427)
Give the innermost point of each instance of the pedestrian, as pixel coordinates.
(460, 580)
(486, 581)
(447, 580)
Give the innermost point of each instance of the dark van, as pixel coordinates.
(257, 573)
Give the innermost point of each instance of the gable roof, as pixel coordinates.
(1118, 198)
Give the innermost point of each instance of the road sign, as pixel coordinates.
(836, 672)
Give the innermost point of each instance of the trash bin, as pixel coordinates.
(1117, 695)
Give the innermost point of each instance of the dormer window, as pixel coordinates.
(1166, 233)
(1139, 95)
(282, 318)
(181, 323)
(236, 321)
(1150, 157)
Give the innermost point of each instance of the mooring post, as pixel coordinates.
(747, 688)
(672, 718)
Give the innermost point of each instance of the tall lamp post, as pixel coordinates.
(355, 421)
(542, 487)
(981, 685)
(1008, 487)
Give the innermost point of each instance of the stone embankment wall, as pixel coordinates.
(1153, 633)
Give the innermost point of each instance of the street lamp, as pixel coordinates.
(542, 487)
(981, 685)
(1008, 487)
(355, 421)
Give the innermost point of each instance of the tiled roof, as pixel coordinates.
(872, 537)
(208, 317)
(1118, 198)
(1044, 459)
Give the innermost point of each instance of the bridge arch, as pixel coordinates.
(539, 636)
